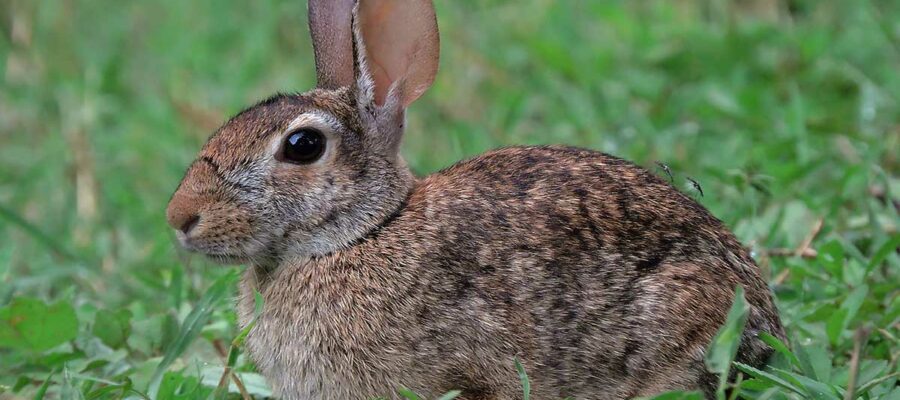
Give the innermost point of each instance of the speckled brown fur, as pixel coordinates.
(604, 280)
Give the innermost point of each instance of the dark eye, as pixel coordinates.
(304, 146)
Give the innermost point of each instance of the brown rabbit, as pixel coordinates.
(604, 280)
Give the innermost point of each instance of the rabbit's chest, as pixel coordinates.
(311, 347)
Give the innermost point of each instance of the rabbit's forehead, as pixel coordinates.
(250, 135)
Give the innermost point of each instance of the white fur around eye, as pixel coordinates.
(321, 121)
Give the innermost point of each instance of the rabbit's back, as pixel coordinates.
(602, 275)
(604, 280)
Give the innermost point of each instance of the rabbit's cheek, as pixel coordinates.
(301, 191)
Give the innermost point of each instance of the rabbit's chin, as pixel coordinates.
(236, 258)
(233, 254)
(229, 259)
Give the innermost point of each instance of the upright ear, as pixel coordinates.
(399, 50)
(332, 38)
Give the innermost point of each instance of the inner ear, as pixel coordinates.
(401, 45)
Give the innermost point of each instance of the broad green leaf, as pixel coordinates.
(756, 384)
(834, 327)
(854, 272)
(175, 386)
(771, 393)
(871, 369)
(821, 361)
(815, 361)
(112, 327)
(866, 387)
(840, 320)
(892, 314)
(894, 394)
(28, 323)
(831, 256)
(814, 389)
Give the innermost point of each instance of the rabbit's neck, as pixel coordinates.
(380, 196)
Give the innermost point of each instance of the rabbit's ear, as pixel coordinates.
(332, 39)
(397, 46)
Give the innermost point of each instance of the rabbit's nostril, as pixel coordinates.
(190, 223)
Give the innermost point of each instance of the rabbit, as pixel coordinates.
(601, 278)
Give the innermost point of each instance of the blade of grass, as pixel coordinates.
(780, 347)
(450, 395)
(191, 327)
(234, 351)
(408, 394)
(526, 383)
(37, 234)
(813, 388)
(724, 346)
(883, 252)
(39, 395)
(874, 382)
(765, 376)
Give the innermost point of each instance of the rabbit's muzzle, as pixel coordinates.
(206, 219)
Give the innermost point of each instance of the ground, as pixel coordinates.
(785, 112)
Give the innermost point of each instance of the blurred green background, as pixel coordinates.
(787, 112)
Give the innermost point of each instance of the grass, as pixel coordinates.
(784, 111)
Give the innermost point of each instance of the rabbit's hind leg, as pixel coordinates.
(681, 307)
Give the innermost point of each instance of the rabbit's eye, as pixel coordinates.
(303, 146)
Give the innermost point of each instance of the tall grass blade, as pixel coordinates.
(37, 234)
(191, 327)
(526, 383)
(725, 345)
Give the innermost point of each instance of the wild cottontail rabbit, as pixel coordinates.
(604, 280)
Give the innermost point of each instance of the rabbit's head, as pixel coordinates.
(306, 174)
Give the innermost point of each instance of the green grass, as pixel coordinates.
(787, 112)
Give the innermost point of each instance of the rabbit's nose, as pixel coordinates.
(182, 213)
